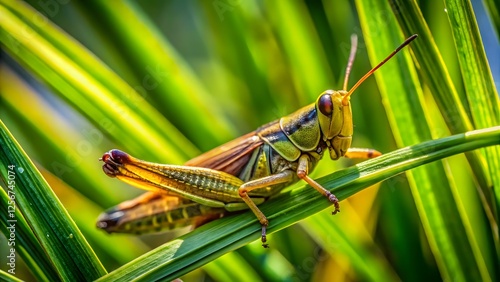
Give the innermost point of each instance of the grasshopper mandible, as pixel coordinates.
(242, 173)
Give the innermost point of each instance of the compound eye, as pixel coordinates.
(325, 104)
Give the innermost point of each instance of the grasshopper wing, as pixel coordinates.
(230, 157)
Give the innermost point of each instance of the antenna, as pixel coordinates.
(345, 100)
(352, 55)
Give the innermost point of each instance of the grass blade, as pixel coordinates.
(89, 86)
(336, 237)
(436, 77)
(163, 73)
(8, 277)
(72, 157)
(458, 256)
(68, 250)
(27, 245)
(480, 88)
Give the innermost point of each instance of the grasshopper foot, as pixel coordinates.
(333, 199)
(263, 238)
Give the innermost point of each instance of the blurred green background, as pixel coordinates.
(168, 80)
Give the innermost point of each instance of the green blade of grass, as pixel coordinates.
(86, 176)
(62, 154)
(218, 269)
(444, 213)
(89, 86)
(24, 241)
(107, 247)
(247, 57)
(60, 238)
(297, 36)
(152, 57)
(434, 71)
(210, 241)
(336, 237)
(276, 266)
(352, 246)
(479, 86)
(4, 276)
(437, 79)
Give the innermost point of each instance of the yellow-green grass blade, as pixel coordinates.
(244, 57)
(434, 71)
(348, 237)
(272, 264)
(21, 239)
(89, 86)
(479, 86)
(297, 36)
(218, 269)
(71, 155)
(7, 277)
(66, 148)
(436, 77)
(446, 215)
(210, 241)
(69, 252)
(166, 77)
(109, 248)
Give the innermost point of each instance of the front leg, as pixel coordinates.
(303, 171)
(267, 181)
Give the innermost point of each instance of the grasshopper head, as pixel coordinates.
(334, 109)
(335, 120)
(331, 111)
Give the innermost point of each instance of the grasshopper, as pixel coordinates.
(242, 173)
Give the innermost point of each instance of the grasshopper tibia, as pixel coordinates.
(302, 172)
(282, 177)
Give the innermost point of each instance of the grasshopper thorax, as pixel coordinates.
(335, 121)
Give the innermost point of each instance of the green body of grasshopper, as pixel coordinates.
(240, 174)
